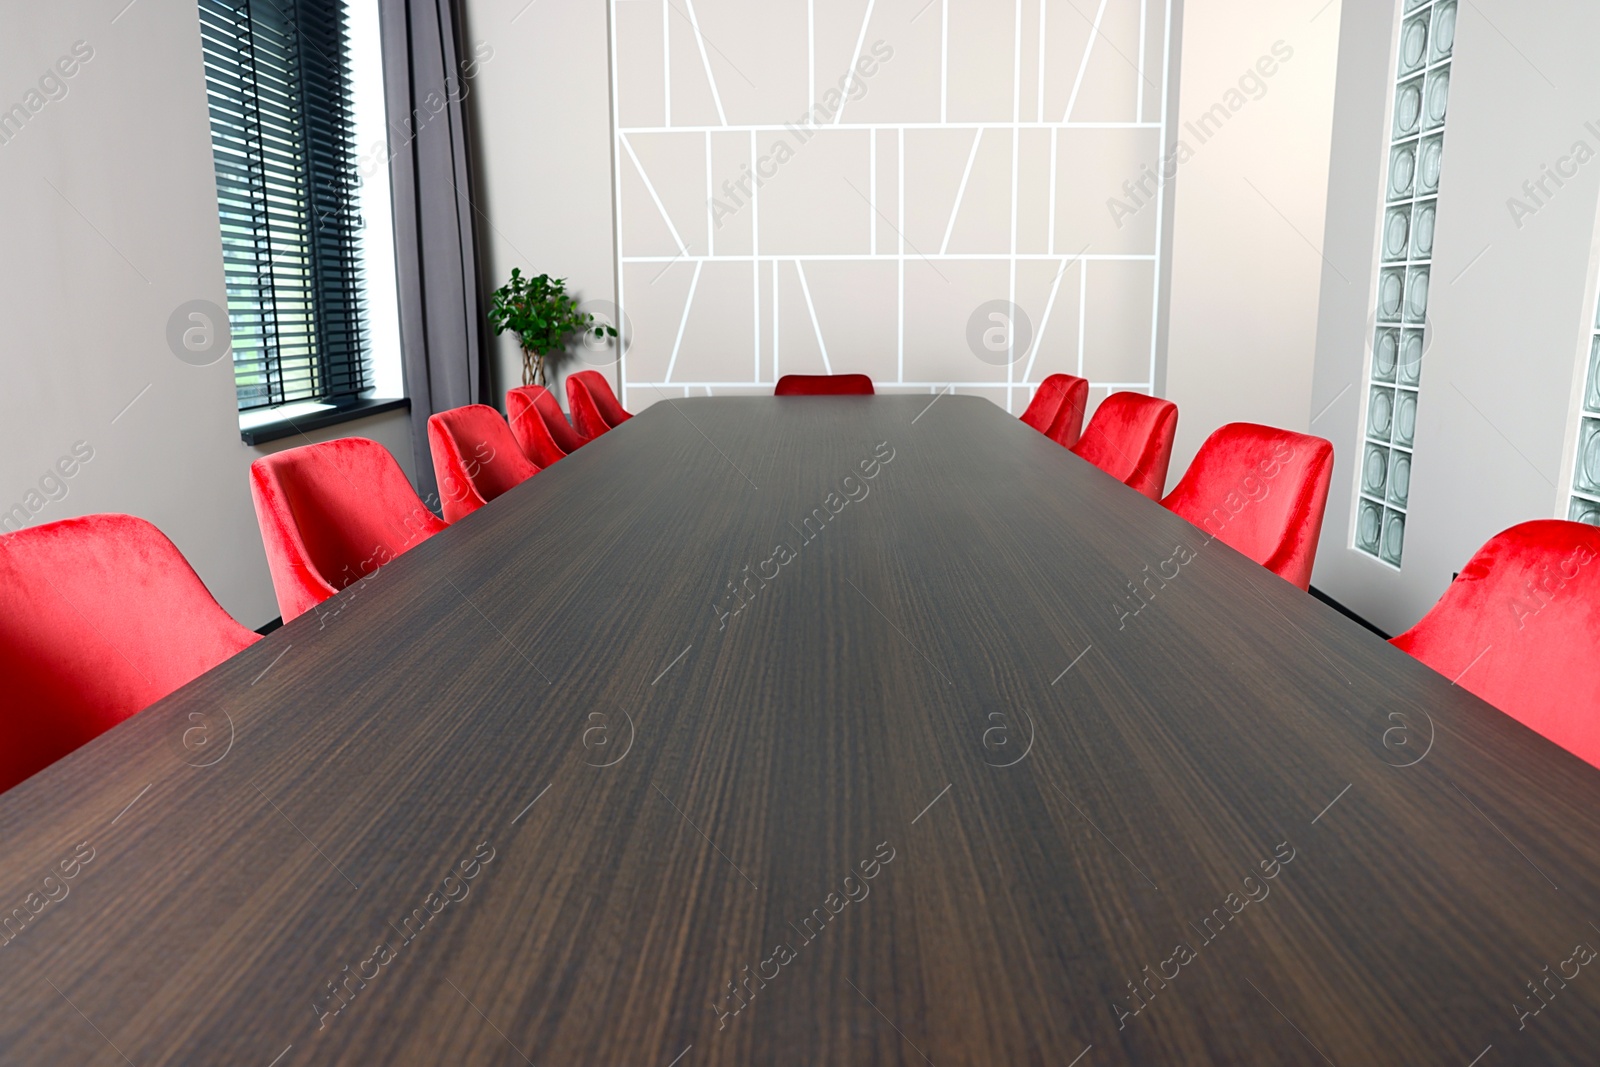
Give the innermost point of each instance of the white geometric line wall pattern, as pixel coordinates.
(1411, 189)
(821, 186)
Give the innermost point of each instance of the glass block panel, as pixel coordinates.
(1414, 44)
(1588, 466)
(1380, 413)
(1417, 295)
(1369, 526)
(1391, 294)
(1424, 50)
(1394, 536)
(1402, 170)
(1375, 471)
(1399, 478)
(1409, 106)
(1436, 97)
(1409, 371)
(1386, 355)
(1581, 511)
(1397, 232)
(1429, 156)
(1405, 418)
(1591, 396)
(1444, 31)
(1422, 229)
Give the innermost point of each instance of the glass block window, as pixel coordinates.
(1585, 505)
(1411, 188)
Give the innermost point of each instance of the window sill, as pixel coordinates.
(317, 420)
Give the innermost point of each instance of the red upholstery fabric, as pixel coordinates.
(1520, 628)
(1130, 438)
(475, 458)
(100, 617)
(330, 515)
(824, 385)
(539, 425)
(594, 406)
(586, 417)
(1261, 491)
(1046, 402)
(1057, 408)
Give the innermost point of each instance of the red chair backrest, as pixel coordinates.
(100, 617)
(1057, 408)
(594, 406)
(539, 425)
(1520, 628)
(1130, 438)
(475, 458)
(824, 385)
(1262, 491)
(331, 514)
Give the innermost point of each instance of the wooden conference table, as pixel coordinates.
(920, 790)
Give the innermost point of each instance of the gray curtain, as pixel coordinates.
(426, 80)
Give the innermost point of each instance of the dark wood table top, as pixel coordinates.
(923, 789)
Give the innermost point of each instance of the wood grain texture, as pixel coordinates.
(867, 700)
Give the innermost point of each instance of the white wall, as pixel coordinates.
(110, 224)
(1245, 284)
(541, 109)
(1511, 308)
(885, 227)
(1249, 209)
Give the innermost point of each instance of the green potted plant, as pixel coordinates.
(542, 315)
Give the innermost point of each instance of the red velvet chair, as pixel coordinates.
(1261, 491)
(1520, 628)
(594, 406)
(100, 617)
(475, 458)
(539, 425)
(1130, 438)
(824, 385)
(1057, 408)
(330, 515)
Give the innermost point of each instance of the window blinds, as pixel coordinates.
(282, 135)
